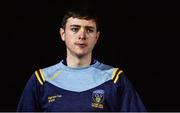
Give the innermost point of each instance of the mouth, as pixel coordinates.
(81, 45)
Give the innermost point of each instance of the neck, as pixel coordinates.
(74, 61)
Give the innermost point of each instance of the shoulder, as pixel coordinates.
(43, 74)
(114, 73)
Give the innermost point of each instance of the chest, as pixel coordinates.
(95, 99)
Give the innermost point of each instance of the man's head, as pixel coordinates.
(80, 32)
(80, 13)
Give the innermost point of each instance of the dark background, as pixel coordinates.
(141, 37)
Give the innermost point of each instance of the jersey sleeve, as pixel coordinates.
(128, 98)
(30, 100)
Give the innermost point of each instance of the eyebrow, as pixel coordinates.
(75, 26)
(89, 27)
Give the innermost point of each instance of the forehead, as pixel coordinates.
(80, 22)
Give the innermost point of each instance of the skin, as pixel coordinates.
(80, 37)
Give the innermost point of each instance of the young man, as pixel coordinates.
(79, 82)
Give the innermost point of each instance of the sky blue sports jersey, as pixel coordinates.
(98, 87)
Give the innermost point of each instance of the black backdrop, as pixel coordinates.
(138, 36)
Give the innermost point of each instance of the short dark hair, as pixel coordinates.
(80, 13)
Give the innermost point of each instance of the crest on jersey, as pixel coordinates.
(98, 98)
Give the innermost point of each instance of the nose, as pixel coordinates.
(82, 34)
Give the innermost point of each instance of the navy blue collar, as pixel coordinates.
(65, 62)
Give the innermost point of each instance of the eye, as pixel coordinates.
(89, 30)
(74, 29)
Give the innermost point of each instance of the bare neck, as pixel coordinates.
(74, 61)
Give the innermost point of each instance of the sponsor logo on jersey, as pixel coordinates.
(98, 98)
(53, 98)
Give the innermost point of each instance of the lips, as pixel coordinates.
(81, 45)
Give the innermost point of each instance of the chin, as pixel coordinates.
(81, 54)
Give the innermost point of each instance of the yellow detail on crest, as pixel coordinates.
(97, 105)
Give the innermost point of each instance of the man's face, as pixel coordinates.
(80, 36)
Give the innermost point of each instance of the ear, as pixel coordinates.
(97, 35)
(62, 33)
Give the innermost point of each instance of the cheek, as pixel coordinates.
(92, 44)
(94, 39)
(94, 36)
(69, 41)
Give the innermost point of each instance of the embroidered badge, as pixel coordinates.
(53, 98)
(97, 98)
